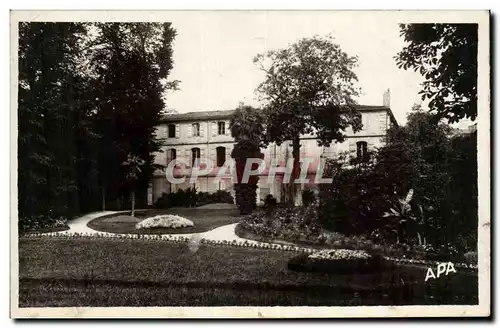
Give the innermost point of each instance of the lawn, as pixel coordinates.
(125, 272)
(203, 219)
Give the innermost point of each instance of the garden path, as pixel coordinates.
(79, 226)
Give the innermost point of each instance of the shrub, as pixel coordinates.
(270, 201)
(246, 193)
(308, 197)
(470, 257)
(191, 198)
(42, 222)
(222, 196)
(164, 221)
(246, 197)
(290, 223)
(355, 200)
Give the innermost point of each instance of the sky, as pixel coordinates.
(214, 51)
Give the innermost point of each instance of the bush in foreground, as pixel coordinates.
(164, 221)
(42, 224)
(191, 198)
(339, 261)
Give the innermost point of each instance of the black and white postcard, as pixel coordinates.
(250, 164)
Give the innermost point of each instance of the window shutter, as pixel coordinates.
(213, 155)
(177, 131)
(214, 129)
(187, 155)
(226, 127)
(201, 129)
(228, 153)
(190, 130)
(203, 154)
(168, 155)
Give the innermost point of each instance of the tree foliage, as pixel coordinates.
(438, 166)
(433, 161)
(247, 127)
(131, 62)
(309, 87)
(89, 95)
(49, 116)
(446, 56)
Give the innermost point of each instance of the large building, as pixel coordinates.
(206, 136)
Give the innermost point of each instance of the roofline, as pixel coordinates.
(226, 114)
(391, 115)
(190, 116)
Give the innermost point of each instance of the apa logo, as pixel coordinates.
(441, 268)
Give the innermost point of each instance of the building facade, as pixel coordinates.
(205, 136)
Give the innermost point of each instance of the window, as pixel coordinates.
(221, 155)
(221, 127)
(364, 121)
(171, 155)
(171, 130)
(196, 129)
(195, 156)
(362, 150)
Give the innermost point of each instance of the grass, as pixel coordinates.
(204, 220)
(124, 272)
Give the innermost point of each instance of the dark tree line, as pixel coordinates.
(89, 96)
(437, 165)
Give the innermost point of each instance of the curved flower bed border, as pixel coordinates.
(170, 221)
(47, 230)
(233, 243)
(243, 233)
(308, 263)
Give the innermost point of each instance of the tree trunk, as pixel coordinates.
(295, 190)
(103, 190)
(132, 200)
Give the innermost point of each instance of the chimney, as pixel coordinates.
(386, 102)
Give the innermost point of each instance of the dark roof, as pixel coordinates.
(226, 114)
(205, 115)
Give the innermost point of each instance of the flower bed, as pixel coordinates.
(340, 254)
(300, 226)
(164, 221)
(296, 223)
(233, 243)
(41, 225)
(339, 261)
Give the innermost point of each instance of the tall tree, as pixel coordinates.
(131, 64)
(89, 94)
(50, 116)
(309, 87)
(446, 56)
(247, 128)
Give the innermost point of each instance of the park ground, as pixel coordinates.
(89, 271)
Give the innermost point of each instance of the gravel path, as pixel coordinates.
(79, 226)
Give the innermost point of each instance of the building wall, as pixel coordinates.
(375, 125)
